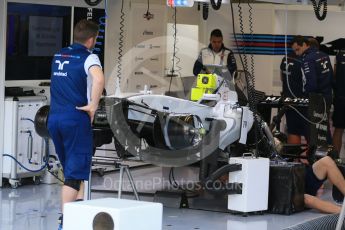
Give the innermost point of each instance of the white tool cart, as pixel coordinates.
(22, 145)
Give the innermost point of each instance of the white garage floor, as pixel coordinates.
(37, 207)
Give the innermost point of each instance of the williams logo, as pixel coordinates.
(61, 64)
(324, 64)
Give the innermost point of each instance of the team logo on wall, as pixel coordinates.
(154, 46)
(138, 73)
(146, 32)
(139, 58)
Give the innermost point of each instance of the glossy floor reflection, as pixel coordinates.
(30, 207)
(37, 207)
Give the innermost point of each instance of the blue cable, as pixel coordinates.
(21, 165)
(30, 170)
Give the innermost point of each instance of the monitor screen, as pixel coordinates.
(34, 33)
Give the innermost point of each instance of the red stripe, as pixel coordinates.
(264, 44)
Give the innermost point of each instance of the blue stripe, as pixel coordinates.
(268, 53)
(262, 36)
(265, 38)
(262, 40)
(260, 48)
(261, 52)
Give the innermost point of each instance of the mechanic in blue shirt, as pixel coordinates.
(291, 76)
(339, 100)
(215, 54)
(316, 68)
(317, 76)
(77, 82)
(317, 72)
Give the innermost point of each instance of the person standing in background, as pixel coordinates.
(77, 83)
(291, 76)
(215, 54)
(316, 68)
(317, 73)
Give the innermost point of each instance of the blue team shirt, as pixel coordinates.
(70, 83)
(318, 72)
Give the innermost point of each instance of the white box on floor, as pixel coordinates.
(254, 177)
(120, 213)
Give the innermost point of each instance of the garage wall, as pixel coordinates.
(129, 81)
(263, 23)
